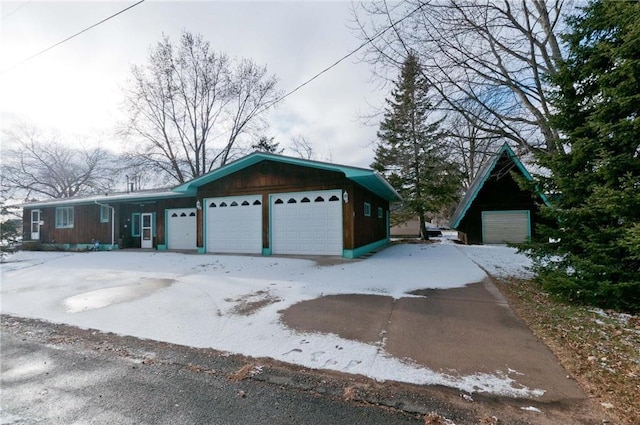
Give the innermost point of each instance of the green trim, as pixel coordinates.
(481, 179)
(161, 247)
(367, 178)
(266, 252)
(135, 230)
(201, 250)
(360, 251)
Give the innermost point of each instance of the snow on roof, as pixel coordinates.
(109, 197)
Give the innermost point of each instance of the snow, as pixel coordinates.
(198, 300)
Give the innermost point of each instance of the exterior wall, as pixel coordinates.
(268, 177)
(497, 194)
(87, 226)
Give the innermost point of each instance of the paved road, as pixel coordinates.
(66, 384)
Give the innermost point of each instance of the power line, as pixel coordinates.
(20, 6)
(69, 38)
(351, 53)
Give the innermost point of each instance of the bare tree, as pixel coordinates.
(494, 54)
(302, 148)
(36, 165)
(186, 98)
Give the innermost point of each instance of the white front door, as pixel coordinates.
(35, 225)
(146, 230)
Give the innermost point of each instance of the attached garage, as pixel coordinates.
(234, 224)
(500, 227)
(307, 223)
(181, 228)
(272, 204)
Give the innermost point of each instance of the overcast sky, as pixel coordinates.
(76, 87)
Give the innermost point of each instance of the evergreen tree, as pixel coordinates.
(268, 145)
(410, 149)
(594, 256)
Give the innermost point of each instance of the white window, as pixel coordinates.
(380, 212)
(64, 217)
(104, 214)
(367, 209)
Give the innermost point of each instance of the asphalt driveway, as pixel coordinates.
(459, 332)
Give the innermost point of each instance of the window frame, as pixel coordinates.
(380, 212)
(105, 214)
(367, 209)
(64, 217)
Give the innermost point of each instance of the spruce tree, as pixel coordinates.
(594, 254)
(410, 149)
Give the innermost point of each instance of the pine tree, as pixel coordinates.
(410, 149)
(595, 254)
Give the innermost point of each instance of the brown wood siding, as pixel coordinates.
(87, 226)
(269, 177)
(372, 228)
(500, 192)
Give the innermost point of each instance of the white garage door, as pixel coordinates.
(181, 228)
(234, 224)
(307, 223)
(505, 226)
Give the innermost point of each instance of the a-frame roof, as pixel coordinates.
(483, 175)
(366, 178)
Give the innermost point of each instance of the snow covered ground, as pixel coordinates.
(231, 303)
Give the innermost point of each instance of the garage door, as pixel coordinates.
(307, 223)
(234, 224)
(181, 228)
(505, 226)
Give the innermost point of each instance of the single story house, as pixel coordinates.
(260, 204)
(496, 209)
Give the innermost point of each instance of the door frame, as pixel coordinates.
(146, 240)
(35, 224)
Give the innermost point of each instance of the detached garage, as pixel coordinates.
(272, 204)
(495, 209)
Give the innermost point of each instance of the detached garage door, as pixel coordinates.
(181, 228)
(308, 223)
(234, 224)
(505, 226)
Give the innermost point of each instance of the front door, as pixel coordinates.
(35, 225)
(146, 230)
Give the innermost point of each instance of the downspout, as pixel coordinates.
(113, 222)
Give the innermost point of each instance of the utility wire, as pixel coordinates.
(351, 53)
(69, 38)
(20, 6)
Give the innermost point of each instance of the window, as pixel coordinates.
(104, 214)
(380, 212)
(135, 224)
(64, 217)
(367, 209)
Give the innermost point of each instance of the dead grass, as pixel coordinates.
(601, 349)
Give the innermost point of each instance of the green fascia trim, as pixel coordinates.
(360, 251)
(505, 148)
(369, 179)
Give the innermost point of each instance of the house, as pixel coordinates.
(496, 209)
(260, 204)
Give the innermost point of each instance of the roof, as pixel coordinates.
(367, 178)
(483, 175)
(140, 196)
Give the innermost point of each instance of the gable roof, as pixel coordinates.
(483, 175)
(369, 179)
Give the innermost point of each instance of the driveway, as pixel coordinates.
(418, 314)
(460, 332)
